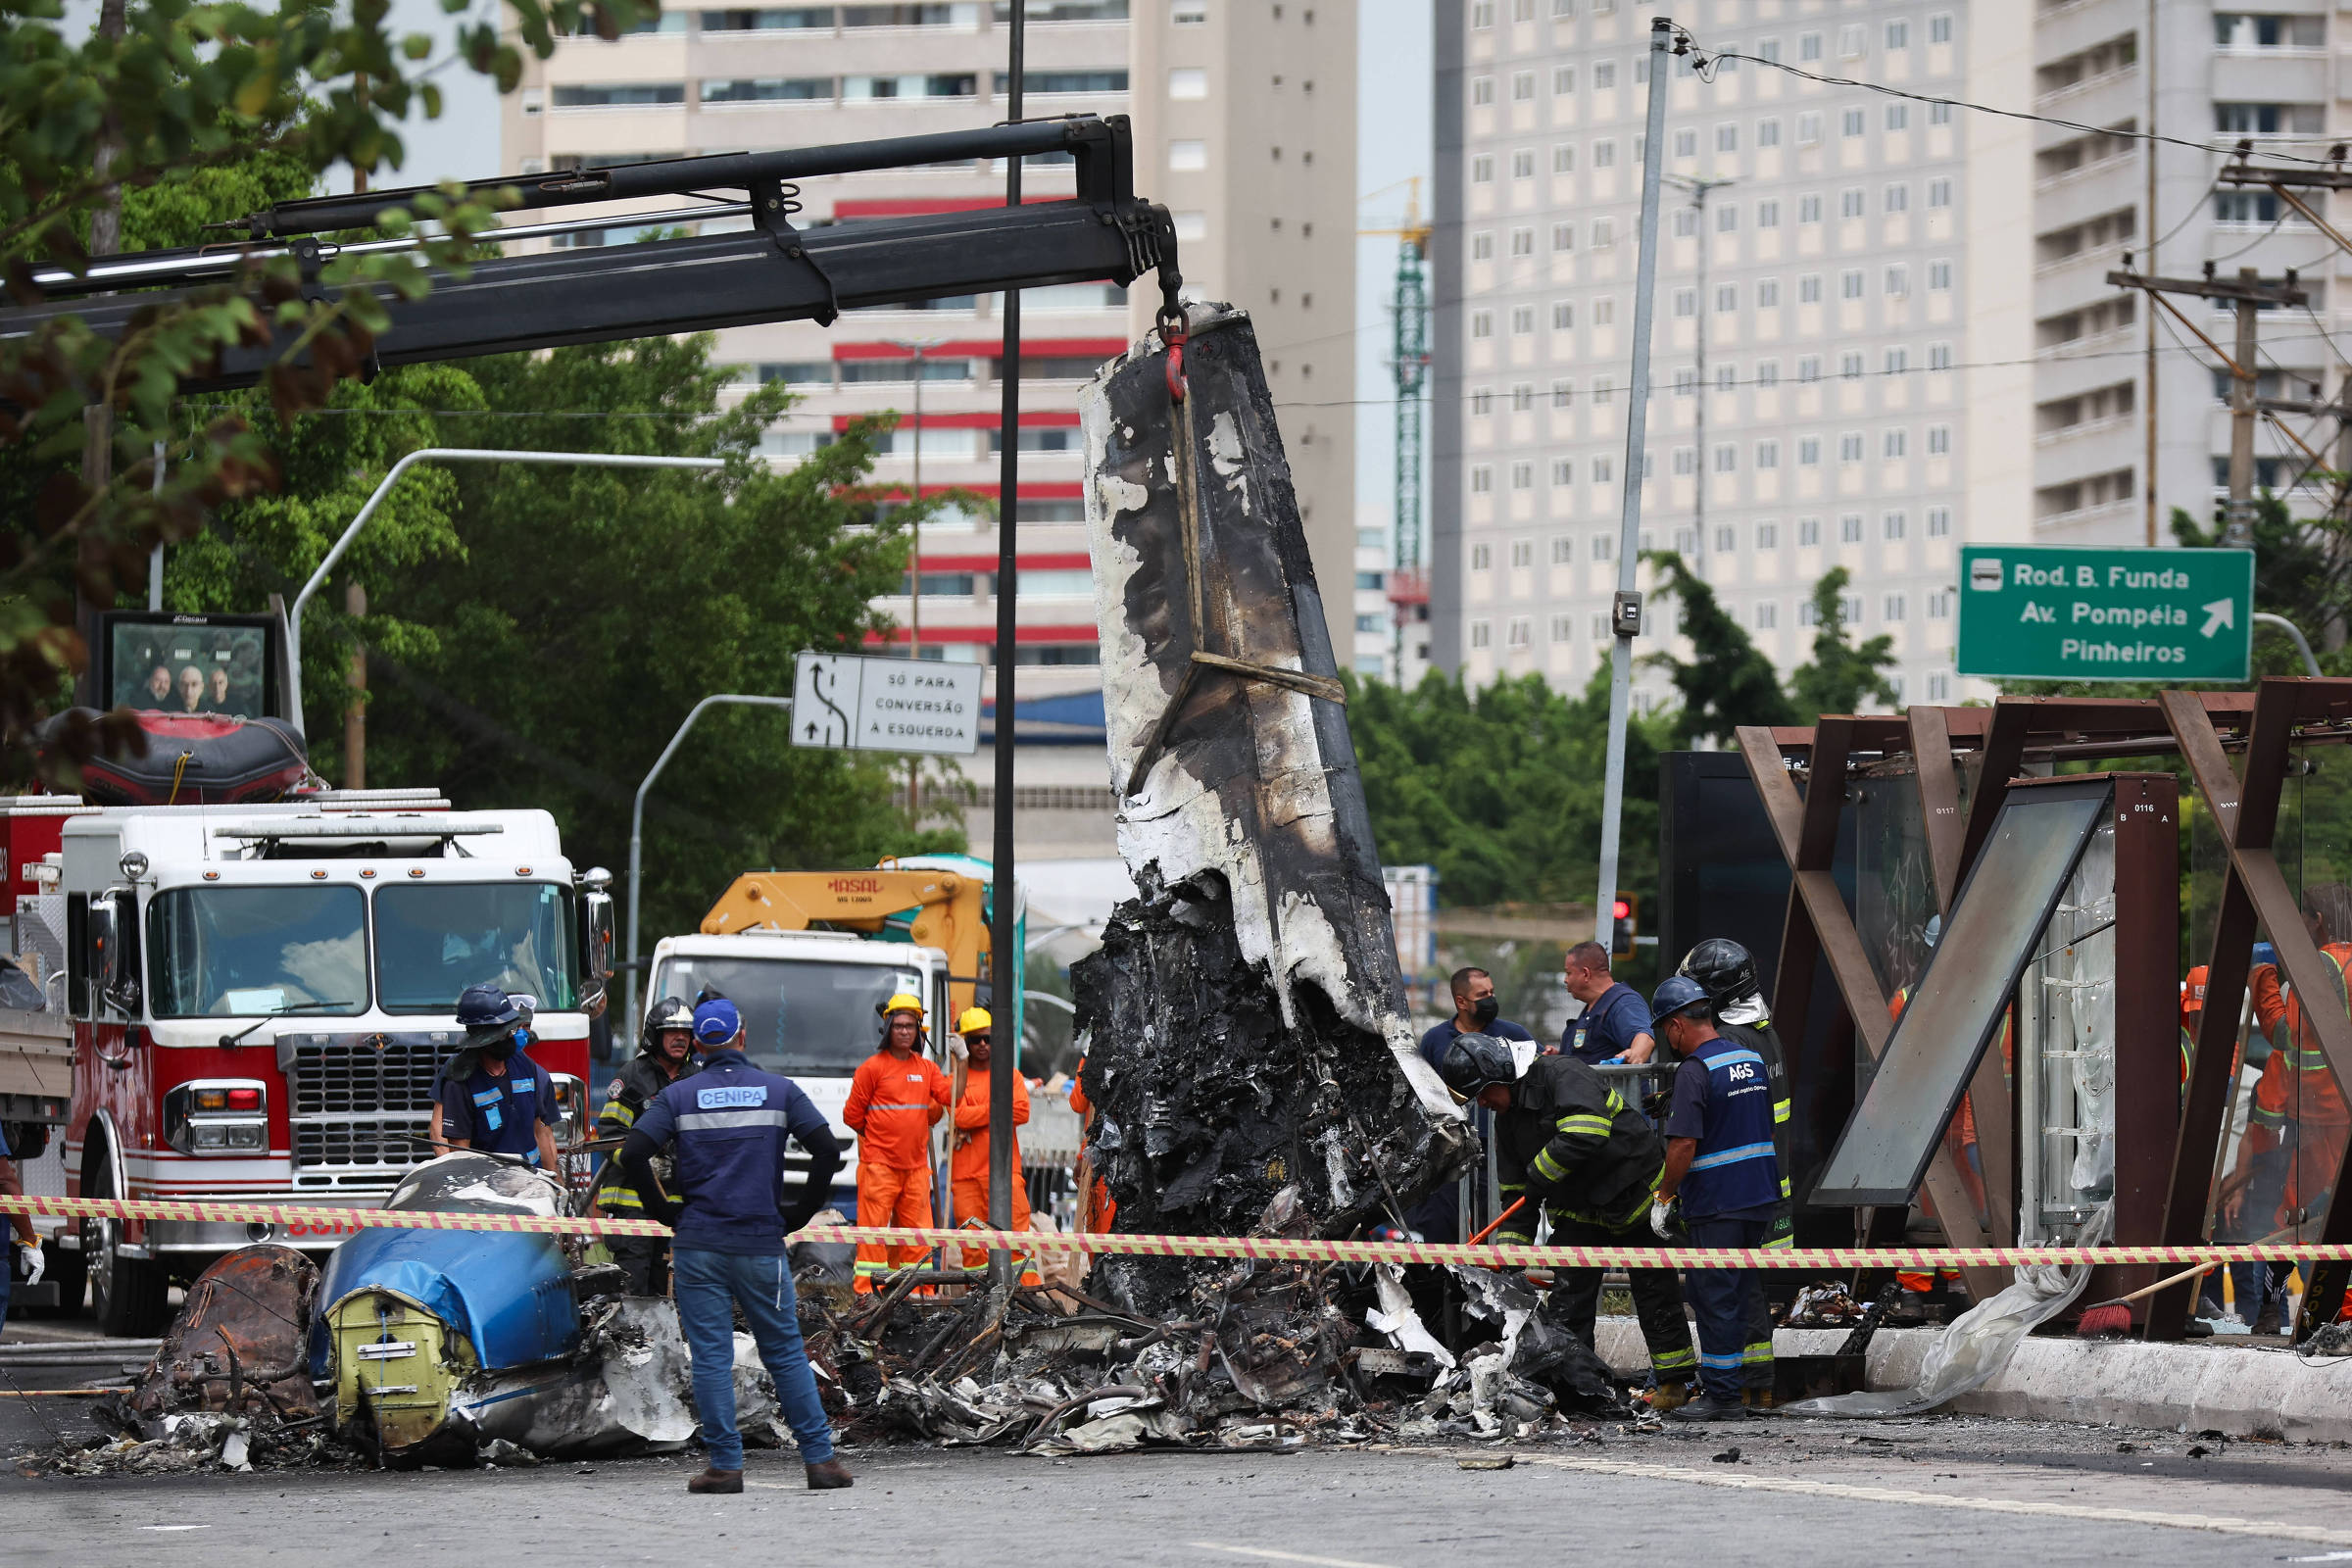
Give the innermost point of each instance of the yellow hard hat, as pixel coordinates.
(903, 1003)
(975, 1020)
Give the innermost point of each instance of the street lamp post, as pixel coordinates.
(608, 460)
(637, 821)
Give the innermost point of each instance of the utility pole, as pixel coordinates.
(2248, 293)
(98, 418)
(1005, 957)
(355, 714)
(1699, 189)
(1625, 608)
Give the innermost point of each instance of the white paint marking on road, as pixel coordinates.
(1269, 1555)
(2220, 1524)
(162, 1528)
(2325, 1556)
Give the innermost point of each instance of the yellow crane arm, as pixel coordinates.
(949, 910)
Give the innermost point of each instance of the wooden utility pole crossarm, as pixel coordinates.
(2248, 292)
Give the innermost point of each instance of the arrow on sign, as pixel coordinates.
(2220, 612)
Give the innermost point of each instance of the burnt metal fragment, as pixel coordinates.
(1245, 1024)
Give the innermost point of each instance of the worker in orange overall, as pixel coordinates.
(895, 1099)
(2299, 1117)
(968, 1167)
(1100, 1209)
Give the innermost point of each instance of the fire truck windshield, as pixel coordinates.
(231, 952)
(433, 940)
(799, 1017)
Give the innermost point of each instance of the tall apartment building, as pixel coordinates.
(1244, 116)
(2278, 78)
(1909, 341)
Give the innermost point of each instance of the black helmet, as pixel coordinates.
(664, 1016)
(1473, 1061)
(1723, 968)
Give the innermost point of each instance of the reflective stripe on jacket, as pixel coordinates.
(1573, 1142)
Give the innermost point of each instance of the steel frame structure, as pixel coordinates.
(2203, 729)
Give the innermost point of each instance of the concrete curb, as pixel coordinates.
(2241, 1390)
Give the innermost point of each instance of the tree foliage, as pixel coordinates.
(1726, 682)
(1500, 790)
(166, 111)
(1842, 674)
(535, 634)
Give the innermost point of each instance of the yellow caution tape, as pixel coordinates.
(1269, 1249)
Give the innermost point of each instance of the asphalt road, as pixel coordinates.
(1956, 1489)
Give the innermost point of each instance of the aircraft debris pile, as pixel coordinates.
(1258, 1355)
(1245, 1024)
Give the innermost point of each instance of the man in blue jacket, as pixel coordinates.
(729, 1123)
(1720, 1162)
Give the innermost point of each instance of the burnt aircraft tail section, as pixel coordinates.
(1246, 1022)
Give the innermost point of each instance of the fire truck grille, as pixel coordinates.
(389, 1144)
(354, 1093)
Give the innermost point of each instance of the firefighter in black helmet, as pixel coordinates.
(1567, 1140)
(664, 1054)
(1727, 972)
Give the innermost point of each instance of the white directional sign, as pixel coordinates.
(844, 703)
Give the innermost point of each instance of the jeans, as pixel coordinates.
(708, 1285)
(1723, 1300)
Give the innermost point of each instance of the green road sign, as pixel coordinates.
(2046, 613)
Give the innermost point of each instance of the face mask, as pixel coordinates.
(1485, 1010)
(501, 1048)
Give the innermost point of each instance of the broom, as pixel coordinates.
(2114, 1317)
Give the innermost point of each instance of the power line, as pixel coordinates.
(1705, 62)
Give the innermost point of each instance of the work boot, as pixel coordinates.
(1708, 1407)
(826, 1476)
(727, 1480)
(1665, 1397)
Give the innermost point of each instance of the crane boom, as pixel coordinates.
(775, 272)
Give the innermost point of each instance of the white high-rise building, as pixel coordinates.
(1908, 339)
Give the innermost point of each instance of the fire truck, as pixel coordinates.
(260, 996)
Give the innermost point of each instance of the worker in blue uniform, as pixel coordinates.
(1720, 1164)
(729, 1123)
(493, 1097)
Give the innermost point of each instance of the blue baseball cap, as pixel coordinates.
(716, 1022)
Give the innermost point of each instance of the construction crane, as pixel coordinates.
(1408, 583)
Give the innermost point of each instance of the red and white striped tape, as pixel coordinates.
(1269, 1249)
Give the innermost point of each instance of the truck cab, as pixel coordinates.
(262, 996)
(809, 956)
(809, 1000)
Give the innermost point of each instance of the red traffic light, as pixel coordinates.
(1622, 910)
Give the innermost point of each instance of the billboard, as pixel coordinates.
(225, 665)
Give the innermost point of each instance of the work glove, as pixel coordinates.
(1659, 1216)
(34, 1261)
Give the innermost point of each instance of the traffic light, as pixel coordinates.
(1625, 917)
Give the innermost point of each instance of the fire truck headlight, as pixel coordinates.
(218, 1116)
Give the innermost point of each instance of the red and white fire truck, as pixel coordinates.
(260, 996)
